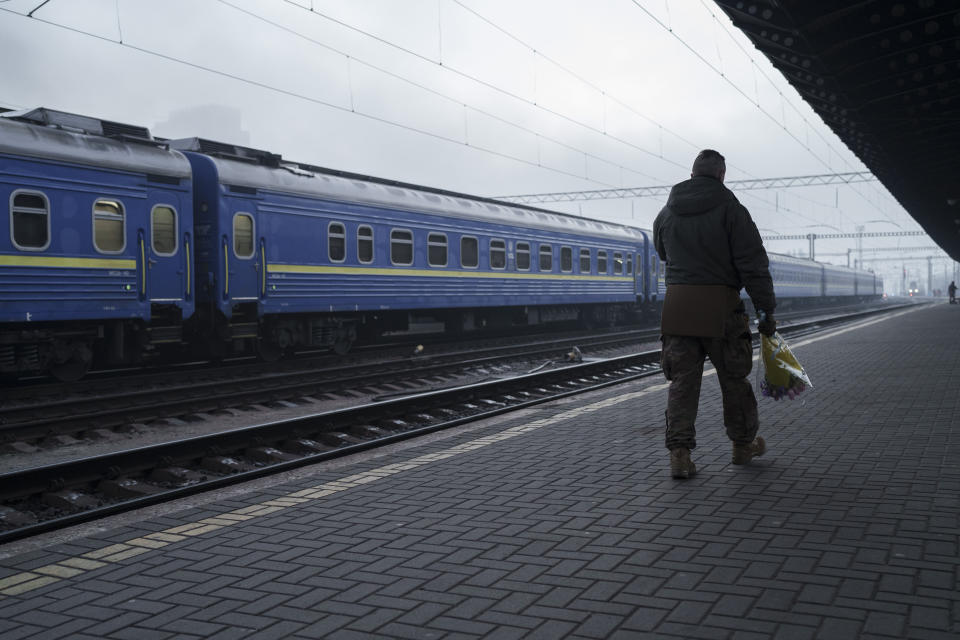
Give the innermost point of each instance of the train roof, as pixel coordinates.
(841, 267)
(784, 258)
(66, 137)
(252, 168)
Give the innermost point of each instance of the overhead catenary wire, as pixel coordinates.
(300, 96)
(421, 86)
(538, 135)
(534, 103)
(607, 95)
(318, 101)
(809, 127)
(738, 89)
(446, 66)
(467, 108)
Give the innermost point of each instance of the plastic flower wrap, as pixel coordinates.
(783, 376)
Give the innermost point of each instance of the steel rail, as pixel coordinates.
(72, 416)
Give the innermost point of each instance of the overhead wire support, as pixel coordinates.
(837, 236)
(37, 8)
(783, 99)
(876, 249)
(661, 190)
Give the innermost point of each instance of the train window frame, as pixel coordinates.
(476, 248)
(618, 263)
(331, 236)
(630, 264)
(253, 235)
(499, 251)
(566, 258)
(431, 243)
(29, 211)
(176, 230)
(106, 215)
(396, 241)
(549, 256)
(526, 252)
(365, 227)
(585, 253)
(603, 270)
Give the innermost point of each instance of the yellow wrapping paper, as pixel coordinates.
(783, 374)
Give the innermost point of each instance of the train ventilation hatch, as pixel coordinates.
(227, 151)
(83, 124)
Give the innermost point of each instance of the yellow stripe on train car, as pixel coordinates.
(67, 263)
(434, 273)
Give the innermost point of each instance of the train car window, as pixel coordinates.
(163, 230)
(523, 256)
(584, 260)
(602, 262)
(365, 244)
(336, 242)
(566, 259)
(546, 257)
(498, 254)
(617, 263)
(242, 235)
(401, 247)
(629, 264)
(469, 252)
(109, 226)
(30, 220)
(437, 250)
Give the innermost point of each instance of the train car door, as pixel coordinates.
(242, 257)
(635, 262)
(166, 269)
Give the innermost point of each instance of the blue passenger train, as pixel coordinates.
(121, 247)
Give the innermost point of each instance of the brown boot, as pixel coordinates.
(744, 453)
(681, 466)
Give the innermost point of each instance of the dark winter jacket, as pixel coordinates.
(707, 237)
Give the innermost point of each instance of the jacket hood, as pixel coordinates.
(697, 195)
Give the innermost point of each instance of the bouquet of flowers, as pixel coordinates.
(782, 374)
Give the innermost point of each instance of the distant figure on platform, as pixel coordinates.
(952, 290)
(712, 249)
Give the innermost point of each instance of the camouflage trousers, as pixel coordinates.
(682, 359)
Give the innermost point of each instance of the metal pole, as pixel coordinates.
(929, 276)
(811, 237)
(860, 229)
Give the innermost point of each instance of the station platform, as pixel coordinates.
(563, 522)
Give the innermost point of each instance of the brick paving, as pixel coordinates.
(847, 528)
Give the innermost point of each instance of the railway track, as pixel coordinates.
(59, 495)
(52, 415)
(38, 421)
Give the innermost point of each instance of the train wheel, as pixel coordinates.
(269, 351)
(342, 345)
(70, 371)
(69, 361)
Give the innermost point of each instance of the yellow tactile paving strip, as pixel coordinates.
(20, 583)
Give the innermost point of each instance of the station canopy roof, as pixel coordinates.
(885, 76)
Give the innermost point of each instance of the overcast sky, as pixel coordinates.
(487, 97)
